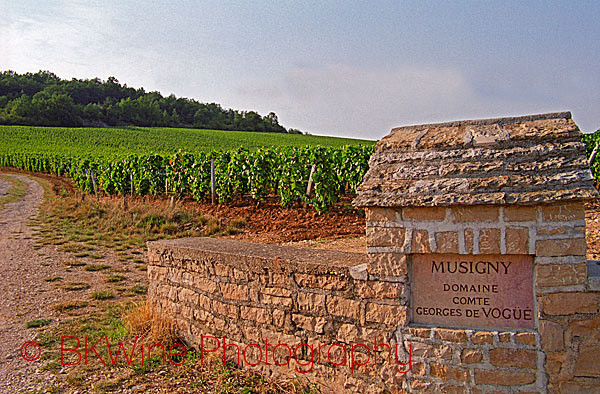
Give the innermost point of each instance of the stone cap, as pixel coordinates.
(522, 160)
(255, 257)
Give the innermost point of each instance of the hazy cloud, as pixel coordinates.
(359, 102)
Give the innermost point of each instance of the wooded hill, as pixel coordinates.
(44, 99)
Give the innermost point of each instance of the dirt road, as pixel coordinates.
(24, 295)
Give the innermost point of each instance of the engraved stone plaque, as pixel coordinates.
(473, 291)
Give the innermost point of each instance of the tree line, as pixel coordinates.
(44, 99)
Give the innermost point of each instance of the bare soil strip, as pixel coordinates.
(24, 295)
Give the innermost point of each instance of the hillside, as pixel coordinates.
(118, 142)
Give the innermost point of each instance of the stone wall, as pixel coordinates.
(254, 294)
(258, 294)
(558, 355)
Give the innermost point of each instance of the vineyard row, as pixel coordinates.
(282, 171)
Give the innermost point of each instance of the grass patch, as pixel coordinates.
(71, 248)
(113, 278)
(74, 286)
(235, 226)
(67, 306)
(75, 378)
(79, 224)
(141, 321)
(73, 263)
(102, 295)
(53, 279)
(139, 289)
(106, 322)
(38, 323)
(239, 223)
(96, 267)
(16, 191)
(52, 366)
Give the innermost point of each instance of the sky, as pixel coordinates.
(342, 68)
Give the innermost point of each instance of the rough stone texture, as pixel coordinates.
(525, 338)
(251, 294)
(483, 230)
(522, 160)
(570, 303)
(468, 234)
(447, 242)
(517, 240)
(475, 214)
(552, 336)
(424, 213)
(385, 237)
(451, 335)
(489, 241)
(383, 215)
(502, 377)
(420, 242)
(520, 213)
(482, 337)
(566, 286)
(561, 247)
(387, 264)
(551, 275)
(563, 212)
(587, 364)
(505, 357)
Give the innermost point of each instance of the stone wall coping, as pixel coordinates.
(489, 121)
(259, 256)
(523, 160)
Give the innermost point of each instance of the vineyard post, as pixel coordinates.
(124, 202)
(212, 180)
(593, 155)
(94, 183)
(83, 191)
(85, 185)
(310, 180)
(131, 183)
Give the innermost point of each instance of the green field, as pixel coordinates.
(168, 161)
(119, 142)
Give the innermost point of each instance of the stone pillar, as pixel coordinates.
(484, 223)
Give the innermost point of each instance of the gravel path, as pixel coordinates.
(23, 292)
(4, 187)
